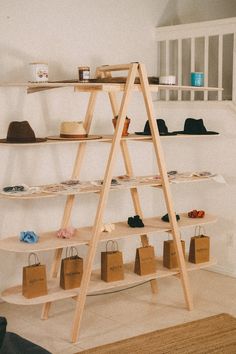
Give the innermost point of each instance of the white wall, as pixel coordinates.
(66, 34)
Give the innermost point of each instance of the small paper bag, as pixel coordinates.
(145, 261)
(71, 270)
(112, 267)
(34, 278)
(169, 254)
(199, 250)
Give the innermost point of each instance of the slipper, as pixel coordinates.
(135, 221)
(166, 217)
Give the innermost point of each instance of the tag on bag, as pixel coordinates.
(34, 278)
(169, 254)
(199, 250)
(112, 267)
(145, 261)
(71, 270)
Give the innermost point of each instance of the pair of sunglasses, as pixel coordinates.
(14, 189)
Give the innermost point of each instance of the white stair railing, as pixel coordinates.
(209, 47)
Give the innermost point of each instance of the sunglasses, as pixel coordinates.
(14, 189)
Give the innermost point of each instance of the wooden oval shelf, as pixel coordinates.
(49, 241)
(14, 294)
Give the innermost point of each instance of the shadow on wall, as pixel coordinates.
(187, 11)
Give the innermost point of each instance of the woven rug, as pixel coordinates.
(215, 334)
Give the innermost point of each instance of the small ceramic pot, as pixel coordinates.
(126, 125)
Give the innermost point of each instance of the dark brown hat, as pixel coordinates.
(21, 133)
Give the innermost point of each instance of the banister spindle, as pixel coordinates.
(220, 65)
(192, 56)
(206, 64)
(179, 67)
(167, 66)
(234, 70)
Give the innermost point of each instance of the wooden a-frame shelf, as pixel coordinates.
(14, 295)
(83, 236)
(92, 236)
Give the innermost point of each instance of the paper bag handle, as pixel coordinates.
(198, 229)
(36, 259)
(71, 249)
(171, 238)
(114, 246)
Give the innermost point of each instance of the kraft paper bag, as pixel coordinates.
(112, 267)
(169, 254)
(71, 270)
(145, 260)
(34, 278)
(199, 250)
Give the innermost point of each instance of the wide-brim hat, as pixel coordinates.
(194, 126)
(162, 128)
(73, 130)
(21, 133)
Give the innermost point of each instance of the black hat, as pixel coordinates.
(163, 130)
(21, 133)
(195, 126)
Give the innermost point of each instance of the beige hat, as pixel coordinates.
(72, 130)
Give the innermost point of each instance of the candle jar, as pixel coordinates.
(84, 73)
(38, 72)
(197, 79)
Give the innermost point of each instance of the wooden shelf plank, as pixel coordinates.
(108, 138)
(106, 87)
(14, 294)
(89, 187)
(49, 241)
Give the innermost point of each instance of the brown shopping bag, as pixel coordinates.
(112, 267)
(34, 278)
(199, 250)
(145, 261)
(169, 254)
(71, 270)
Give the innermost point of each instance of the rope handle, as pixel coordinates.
(71, 252)
(198, 229)
(36, 259)
(114, 247)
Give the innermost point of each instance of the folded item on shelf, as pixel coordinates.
(66, 232)
(166, 217)
(196, 214)
(29, 237)
(108, 228)
(71, 182)
(135, 221)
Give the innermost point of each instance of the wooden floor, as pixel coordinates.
(113, 317)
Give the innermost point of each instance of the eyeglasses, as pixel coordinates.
(14, 189)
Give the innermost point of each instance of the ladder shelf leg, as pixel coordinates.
(129, 171)
(165, 184)
(80, 301)
(71, 198)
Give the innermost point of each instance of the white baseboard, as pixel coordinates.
(222, 270)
